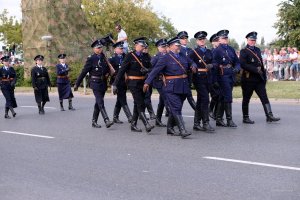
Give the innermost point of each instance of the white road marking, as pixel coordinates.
(26, 134)
(36, 107)
(253, 163)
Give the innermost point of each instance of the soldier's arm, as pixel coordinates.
(236, 61)
(161, 64)
(33, 78)
(123, 69)
(86, 69)
(245, 65)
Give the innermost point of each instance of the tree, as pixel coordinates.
(135, 16)
(288, 24)
(10, 29)
(234, 44)
(243, 45)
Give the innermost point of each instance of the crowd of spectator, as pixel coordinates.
(282, 64)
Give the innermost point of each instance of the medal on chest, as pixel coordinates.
(224, 59)
(200, 61)
(252, 60)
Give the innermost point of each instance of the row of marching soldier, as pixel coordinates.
(171, 71)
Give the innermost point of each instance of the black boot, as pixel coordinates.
(183, 132)
(228, 112)
(95, 117)
(40, 108)
(167, 112)
(6, 116)
(269, 114)
(133, 126)
(61, 105)
(145, 122)
(170, 126)
(12, 111)
(197, 119)
(212, 109)
(116, 115)
(159, 112)
(191, 101)
(127, 113)
(151, 111)
(246, 119)
(108, 123)
(206, 125)
(70, 105)
(220, 112)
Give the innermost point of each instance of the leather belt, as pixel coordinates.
(62, 77)
(226, 66)
(97, 77)
(202, 70)
(136, 77)
(7, 79)
(41, 77)
(175, 77)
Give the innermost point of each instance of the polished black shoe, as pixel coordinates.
(230, 123)
(184, 134)
(159, 123)
(220, 123)
(208, 128)
(108, 123)
(247, 120)
(135, 129)
(197, 127)
(117, 121)
(62, 109)
(95, 125)
(6, 116)
(271, 118)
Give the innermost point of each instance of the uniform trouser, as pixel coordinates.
(121, 97)
(99, 104)
(226, 86)
(9, 98)
(175, 102)
(148, 95)
(202, 97)
(247, 90)
(138, 99)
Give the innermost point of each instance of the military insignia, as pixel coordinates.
(224, 59)
(252, 60)
(119, 66)
(38, 74)
(96, 68)
(200, 61)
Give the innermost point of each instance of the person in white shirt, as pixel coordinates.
(294, 66)
(122, 37)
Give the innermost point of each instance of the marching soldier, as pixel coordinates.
(228, 65)
(158, 81)
(40, 83)
(183, 38)
(254, 78)
(202, 81)
(215, 88)
(136, 65)
(97, 67)
(174, 66)
(63, 82)
(8, 80)
(121, 102)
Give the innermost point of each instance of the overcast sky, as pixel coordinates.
(238, 16)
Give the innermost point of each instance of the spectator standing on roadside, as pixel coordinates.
(122, 37)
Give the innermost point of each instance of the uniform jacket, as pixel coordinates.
(131, 67)
(250, 64)
(98, 70)
(116, 62)
(40, 77)
(158, 81)
(62, 71)
(7, 74)
(169, 67)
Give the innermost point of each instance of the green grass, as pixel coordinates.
(276, 90)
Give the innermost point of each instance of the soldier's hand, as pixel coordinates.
(194, 69)
(209, 66)
(146, 87)
(75, 88)
(114, 89)
(259, 70)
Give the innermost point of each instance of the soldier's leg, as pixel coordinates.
(191, 100)
(61, 105)
(247, 91)
(6, 116)
(135, 117)
(228, 85)
(95, 116)
(99, 95)
(197, 115)
(148, 103)
(71, 104)
(117, 110)
(204, 101)
(160, 109)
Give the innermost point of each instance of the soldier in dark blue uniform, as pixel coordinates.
(183, 36)
(40, 83)
(97, 67)
(215, 89)
(136, 65)
(174, 66)
(158, 81)
(202, 80)
(8, 80)
(63, 82)
(254, 78)
(228, 66)
(116, 62)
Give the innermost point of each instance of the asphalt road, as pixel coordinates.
(77, 162)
